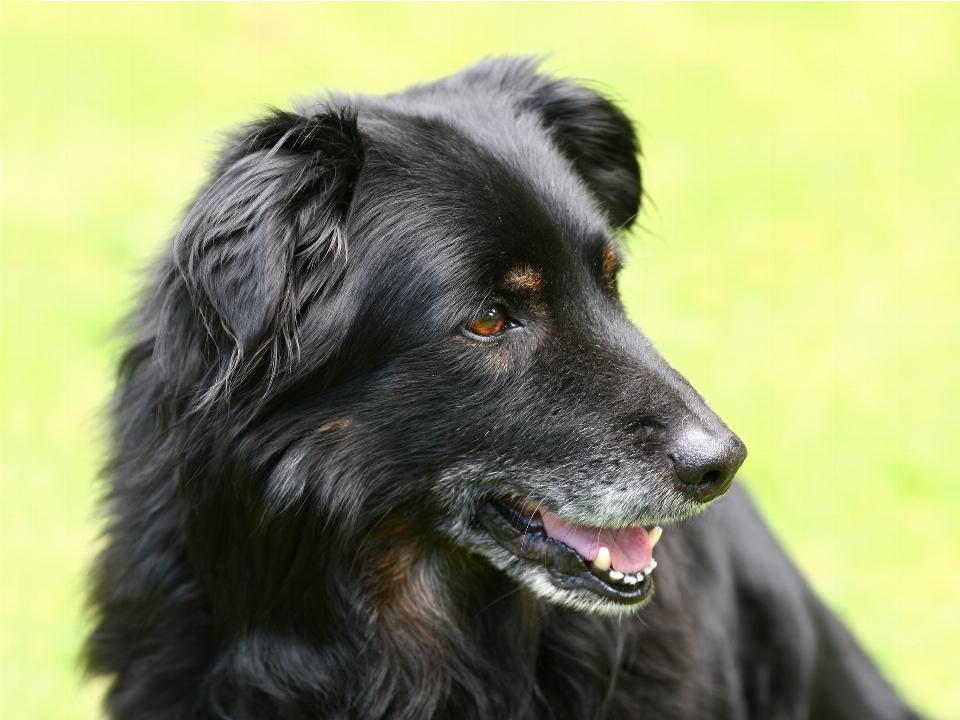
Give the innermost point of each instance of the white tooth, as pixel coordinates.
(655, 534)
(614, 575)
(603, 559)
(630, 579)
(649, 568)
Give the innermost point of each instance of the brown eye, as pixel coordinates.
(489, 321)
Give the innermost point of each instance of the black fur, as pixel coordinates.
(307, 432)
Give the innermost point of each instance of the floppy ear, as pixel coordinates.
(599, 139)
(262, 239)
(592, 132)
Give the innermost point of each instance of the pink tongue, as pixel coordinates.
(629, 548)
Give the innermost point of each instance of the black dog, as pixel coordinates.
(387, 446)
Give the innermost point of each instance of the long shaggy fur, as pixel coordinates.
(305, 431)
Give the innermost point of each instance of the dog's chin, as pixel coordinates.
(555, 571)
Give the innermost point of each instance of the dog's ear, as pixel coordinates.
(592, 132)
(599, 139)
(264, 237)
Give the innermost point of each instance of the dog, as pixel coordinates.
(385, 444)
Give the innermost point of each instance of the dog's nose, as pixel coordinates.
(706, 462)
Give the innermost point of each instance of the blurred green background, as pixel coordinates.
(799, 261)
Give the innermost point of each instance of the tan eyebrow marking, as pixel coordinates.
(523, 278)
(609, 265)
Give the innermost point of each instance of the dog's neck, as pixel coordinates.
(387, 630)
(455, 638)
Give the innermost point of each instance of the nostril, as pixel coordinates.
(710, 477)
(694, 473)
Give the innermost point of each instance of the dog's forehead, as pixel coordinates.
(479, 166)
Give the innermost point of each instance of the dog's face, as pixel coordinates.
(432, 292)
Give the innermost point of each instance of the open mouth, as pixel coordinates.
(614, 563)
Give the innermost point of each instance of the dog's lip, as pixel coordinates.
(519, 527)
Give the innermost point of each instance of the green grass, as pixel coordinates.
(799, 261)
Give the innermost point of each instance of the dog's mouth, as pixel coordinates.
(614, 563)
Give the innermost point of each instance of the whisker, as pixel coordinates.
(527, 526)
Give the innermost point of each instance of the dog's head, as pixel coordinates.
(408, 305)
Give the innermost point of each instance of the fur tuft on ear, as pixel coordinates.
(264, 238)
(591, 131)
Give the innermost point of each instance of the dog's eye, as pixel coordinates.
(491, 320)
